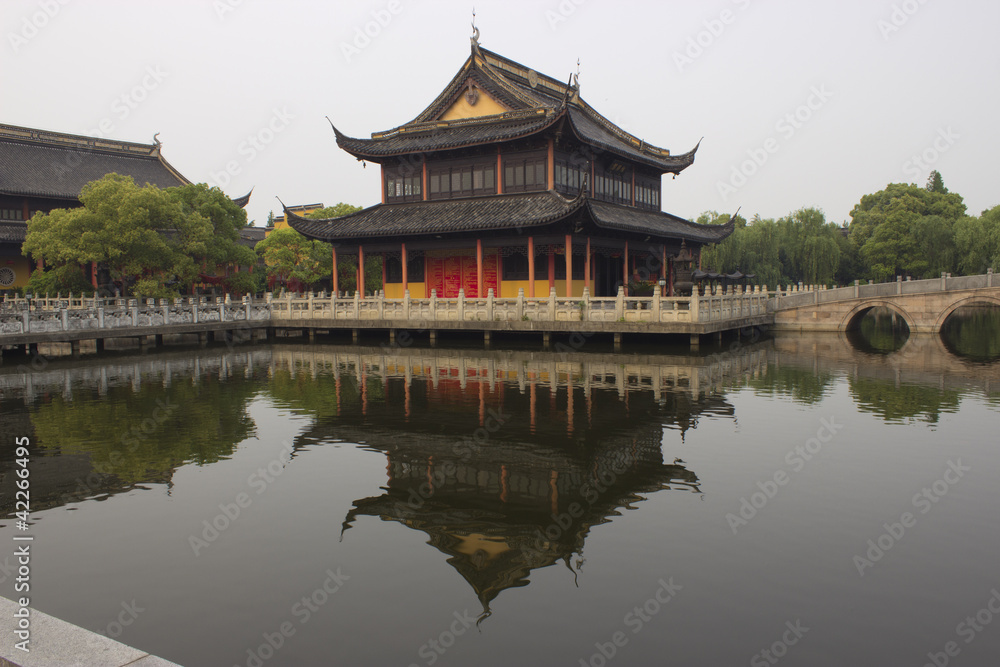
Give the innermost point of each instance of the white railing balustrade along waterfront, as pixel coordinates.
(731, 303)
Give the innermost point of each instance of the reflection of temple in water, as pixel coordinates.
(506, 460)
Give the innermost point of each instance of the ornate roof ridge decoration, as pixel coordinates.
(244, 200)
(82, 142)
(530, 95)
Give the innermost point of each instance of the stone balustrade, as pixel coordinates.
(727, 305)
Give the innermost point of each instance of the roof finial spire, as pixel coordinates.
(475, 31)
(576, 77)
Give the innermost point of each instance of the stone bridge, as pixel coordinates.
(923, 304)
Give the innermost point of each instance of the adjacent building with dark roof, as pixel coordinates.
(42, 171)
(509, 180)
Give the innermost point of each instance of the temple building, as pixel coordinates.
(42, 171)
(510, 181)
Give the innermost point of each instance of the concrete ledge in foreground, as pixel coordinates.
(56, 643)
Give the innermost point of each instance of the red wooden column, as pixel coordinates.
(336, 286)
(531, 267)
(552, 269)
(406, 273)
(625, 269)
(663, 265)
(480, 292)
(361, 270)
(569, 265)
(586, 269)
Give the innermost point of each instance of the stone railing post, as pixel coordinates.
(461, 304)
(357, 305)
(433, 304)
(310, 305)
(620, 303)
(695, 306)
(944, 282)
(194, 313)
(899, 284)
(381, 304)
(656, 305)
(520, 303)
(585, 311)
(100, 317)
(406, 304)
(552, 304)
(489, 305)
(64, 313)
(26, 321)
(989, 277)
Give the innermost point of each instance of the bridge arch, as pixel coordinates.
(973, 300)
(857, 312)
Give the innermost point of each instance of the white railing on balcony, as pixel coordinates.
(23, 316)
(730, 304)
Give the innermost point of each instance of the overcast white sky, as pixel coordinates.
(886, 80)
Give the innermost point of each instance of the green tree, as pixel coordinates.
(226, 218)
(809, 247)
(289, 255)
(977, 242)
(335, 211)
(141, 234)
(935, 183)
(891, 238)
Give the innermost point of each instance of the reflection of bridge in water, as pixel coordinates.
(923, 360)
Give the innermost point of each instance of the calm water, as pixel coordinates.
(352, 505)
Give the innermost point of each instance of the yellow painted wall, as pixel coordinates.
(485, 106)
(395, 290)
(508, 288)
(21, 268)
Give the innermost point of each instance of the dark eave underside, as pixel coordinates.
(440, 217)
(38, 170)
(500, 212)
(438, 138)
